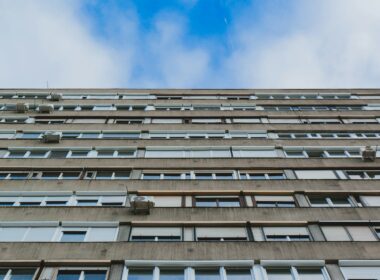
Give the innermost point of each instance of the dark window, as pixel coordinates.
(73, 236)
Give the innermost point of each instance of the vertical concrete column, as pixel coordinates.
(334, 272)
(124, 231)
(301, 200)
(316, 232)
(116, 271)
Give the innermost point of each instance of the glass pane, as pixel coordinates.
(172, 176)
(207, 275)
(151, 176)
(56, 203)
(318, 201)
(121, 175)
(68, 275)
(229, 202)
(340, 201)
(94, 275)
(19, 176)
(31, 135)
(105, 153)
(3, 272)
(279, 274)
(58, 154)
(70, 135)
(70, 175)
(168, 274)
(140, 274)
(239, 274)
(223, 176)
(125, 153)
(104, 174)
(121, 135)
(22, 274)
(90, 135)
(6, 203)
(79, 153)
(310, 274)
(87, 202)
(37, 154)
(16, 154)
(30, 203)
(205, 202)
(203, 176)
(50, 175)
(73, 236)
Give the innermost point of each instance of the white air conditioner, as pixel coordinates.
(368, 154)
(46, 108)
(142, 204)
(55, 96)
(22, 107)
(51, 137)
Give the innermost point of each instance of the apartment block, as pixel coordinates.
(181, 184)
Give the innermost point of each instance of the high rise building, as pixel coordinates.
(152, 184)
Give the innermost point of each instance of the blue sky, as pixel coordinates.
(190, 43)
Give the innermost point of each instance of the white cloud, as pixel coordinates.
(326, 44)
(322, 43)
(46, 41)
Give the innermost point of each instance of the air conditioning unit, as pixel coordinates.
(55, 96)
(22, 107)
(51, 137)
(368, 153)
(46, 108)
(142, 204)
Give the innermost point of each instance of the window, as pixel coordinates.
(348, 233)
(156, 234)
(207, 201)
(164, 121)
(83, 275)
(320, 201)
(279, 274)
(283, 201)
(221, 234)
(262, 176)
(73, 236)
(207, 274)
(87, 202)
(79, 153)
(296, 273)
(259, 153)
(361, 272)
(140, 274)
(315, 174)
(358, 175)
(370, 200)
(151, 176)
(283, 234)
(112, 175)
(17, 274)
(238, 274)
(171, 274)
(121, 135)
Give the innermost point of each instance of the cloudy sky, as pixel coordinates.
(190, 43)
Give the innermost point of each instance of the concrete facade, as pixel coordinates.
(345, 202)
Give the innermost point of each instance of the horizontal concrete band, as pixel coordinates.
(192, 251)
(188, 214)
(188, 164)
(194, 186)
